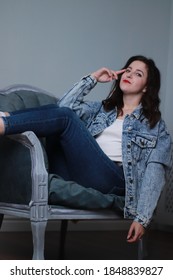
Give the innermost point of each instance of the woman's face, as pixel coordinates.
(134, 79)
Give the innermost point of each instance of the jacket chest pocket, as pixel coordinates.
(142, 146)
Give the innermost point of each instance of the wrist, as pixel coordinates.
(94, 76)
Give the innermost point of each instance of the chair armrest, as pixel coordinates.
(23, 175)
(39, 175)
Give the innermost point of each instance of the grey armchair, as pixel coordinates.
(25, 179)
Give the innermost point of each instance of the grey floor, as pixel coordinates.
(86, 246)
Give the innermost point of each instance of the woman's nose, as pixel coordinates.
(129, 74)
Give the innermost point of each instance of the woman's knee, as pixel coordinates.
(65, 111)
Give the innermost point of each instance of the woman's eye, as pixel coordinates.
(138, 74)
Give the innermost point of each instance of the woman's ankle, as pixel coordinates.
(4, 114)
(2, 127)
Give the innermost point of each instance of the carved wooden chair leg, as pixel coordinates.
(1, 219)
(142, 248)
(38, 235)
(63, 234)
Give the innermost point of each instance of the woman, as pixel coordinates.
(119, 146)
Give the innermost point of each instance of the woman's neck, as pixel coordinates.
(130, 104)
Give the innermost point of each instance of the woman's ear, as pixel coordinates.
(144, 90)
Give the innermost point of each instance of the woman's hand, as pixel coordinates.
(105, 75)
(135, 233)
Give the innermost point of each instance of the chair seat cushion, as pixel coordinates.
(71, 194)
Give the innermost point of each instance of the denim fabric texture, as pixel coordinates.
(146, 152)
(72, 151)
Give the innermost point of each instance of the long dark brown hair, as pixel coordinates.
(150, 100)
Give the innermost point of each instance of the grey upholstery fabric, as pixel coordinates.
(23, 98)
(73, 195)
(15, 172)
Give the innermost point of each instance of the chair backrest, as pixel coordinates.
(18, 97)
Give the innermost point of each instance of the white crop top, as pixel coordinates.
(110, 140)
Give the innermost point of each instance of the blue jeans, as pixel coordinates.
(73, 152)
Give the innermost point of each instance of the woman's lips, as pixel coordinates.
(126, 81)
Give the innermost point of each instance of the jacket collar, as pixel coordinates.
(138, 111)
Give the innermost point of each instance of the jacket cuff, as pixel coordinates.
(142, 220)
(89, 76)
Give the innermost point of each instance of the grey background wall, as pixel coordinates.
(52, 43)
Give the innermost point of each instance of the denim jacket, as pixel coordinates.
(146, 152)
